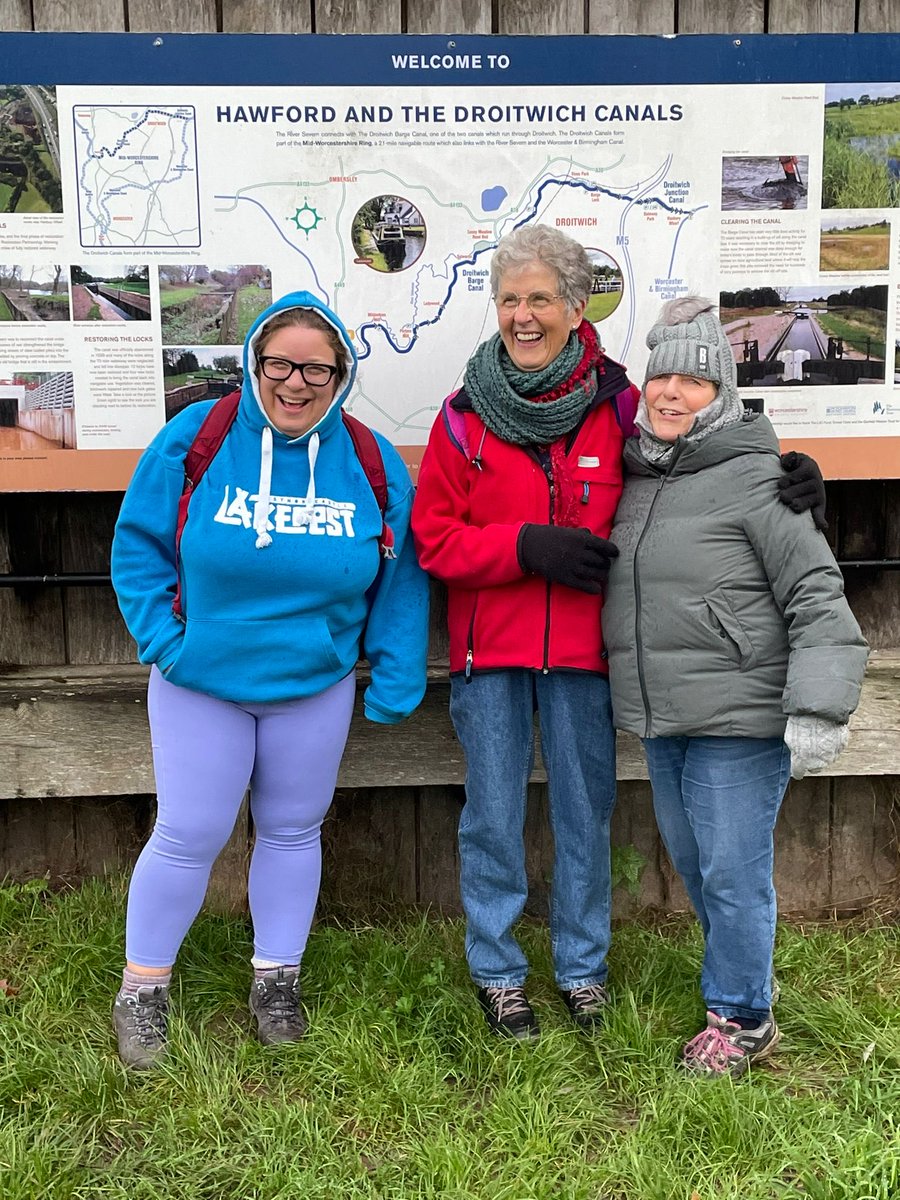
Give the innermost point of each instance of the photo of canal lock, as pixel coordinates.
(109, 290)
(388, 234)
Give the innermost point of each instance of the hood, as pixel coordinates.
(252, 412)
(251, 404)
(752, 435)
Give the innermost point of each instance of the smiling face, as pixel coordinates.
(533, 340)
(293, 406)
(672, 401)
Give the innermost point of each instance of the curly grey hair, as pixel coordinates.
(548, 246)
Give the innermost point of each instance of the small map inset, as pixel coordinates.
(137, 175)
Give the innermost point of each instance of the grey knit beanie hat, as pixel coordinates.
(687, 339)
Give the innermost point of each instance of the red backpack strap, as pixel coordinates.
(369, 454)
(202, 450)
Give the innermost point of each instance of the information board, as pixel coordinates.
(157, 192)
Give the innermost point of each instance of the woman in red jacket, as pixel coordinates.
(516, 497)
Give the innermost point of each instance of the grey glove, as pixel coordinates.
(813, 743)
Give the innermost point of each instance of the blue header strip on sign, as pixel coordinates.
(226, 61)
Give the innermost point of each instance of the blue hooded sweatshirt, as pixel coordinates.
(283, 584)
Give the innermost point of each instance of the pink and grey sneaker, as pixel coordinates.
(724, 1048)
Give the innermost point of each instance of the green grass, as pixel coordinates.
(32, 201)
(251, 301)
(852, 178)
(869, 120)
(857, 327)
(170, 296)
(601, 306)
(399, 1093)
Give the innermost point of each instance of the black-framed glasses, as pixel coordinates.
(281, 369)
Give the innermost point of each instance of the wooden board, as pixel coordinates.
(651, 16)
(878, 16)
(170, 16)
(369, 849)
(83, 732)
(448, 16)
(15, 15)
(812, 16)
(538, 18)
(357, 16)
(267, 16)
(95, 631)
(721, 16)
(79, 16)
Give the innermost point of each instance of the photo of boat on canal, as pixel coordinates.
(34, 293)
(861, 157)
(388, 233)
(110, 290)
(807, 335)
(29, 150)
(210, 304)
(766, 181)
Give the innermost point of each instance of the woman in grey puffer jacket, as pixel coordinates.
(733, 655)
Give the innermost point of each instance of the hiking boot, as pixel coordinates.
(723, 1048)
(508, 1013)
(275, 1002)
(140, 1020)
(586, 1005)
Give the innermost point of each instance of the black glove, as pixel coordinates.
(575, 557)
(802, 486)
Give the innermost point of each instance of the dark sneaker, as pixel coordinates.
(508, 1013)
(140, 1020)
(587, 1005)
(275, 1002)
(723, 1048)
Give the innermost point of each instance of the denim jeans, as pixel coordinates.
(716, 801)
(494, 720)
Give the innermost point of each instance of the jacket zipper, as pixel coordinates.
(638, 644)
(548, 471)
(470, 642)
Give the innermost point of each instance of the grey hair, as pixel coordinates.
(684, 309)
(551, 248)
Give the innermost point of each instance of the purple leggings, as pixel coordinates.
(205, 753)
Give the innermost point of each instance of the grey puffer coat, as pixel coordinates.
(725, 611)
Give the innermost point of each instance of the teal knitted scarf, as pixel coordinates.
(534, 407)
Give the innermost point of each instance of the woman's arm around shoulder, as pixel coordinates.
(396, 635)
(144, 572)
(451, 548)
(827, 649)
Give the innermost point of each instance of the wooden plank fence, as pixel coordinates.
(838, 844)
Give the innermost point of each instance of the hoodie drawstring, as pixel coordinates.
(264, 496)
(264, 491)
(313, 452)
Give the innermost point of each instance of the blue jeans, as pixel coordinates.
(716, 801)
(494, 720)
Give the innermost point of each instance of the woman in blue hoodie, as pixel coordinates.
(282, 586)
